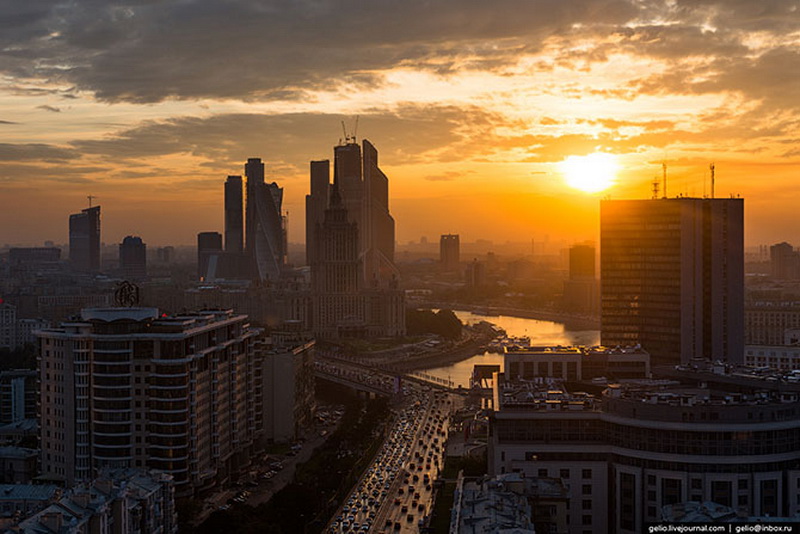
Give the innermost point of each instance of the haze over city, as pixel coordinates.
(474, 107)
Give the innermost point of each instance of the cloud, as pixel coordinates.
(35, 151)
(8, 122)
(149, 51)
(409, 133)
(49, 108)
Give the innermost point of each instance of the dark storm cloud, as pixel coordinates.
(148, 51)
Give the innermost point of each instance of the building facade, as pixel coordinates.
(288, 377)
(131, 388)
(633, 450)
(117, 502)
(84, 239)
(450, 253)
(672, 277)
(265, 224)
(347, 298)
(133, 258)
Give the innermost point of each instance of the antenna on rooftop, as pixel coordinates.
(711, 167)
(664, 172)
(655, 187)
(90, 197)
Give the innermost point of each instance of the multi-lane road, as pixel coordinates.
(395, 493)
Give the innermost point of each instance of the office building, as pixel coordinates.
(316, 204)
(450, 253)
(638, 447)
(265, 225)
(582, 262)
(784, 262)
(234, 216)
(209, 253)
(364, 191)
(132, 388)
(84, 239)
(133, 258)
(354, 281)
(672, 277)
(582, 290)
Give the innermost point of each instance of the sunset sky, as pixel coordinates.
(473, 106)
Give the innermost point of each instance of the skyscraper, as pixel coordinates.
(84, 239)
(265, 225)
(133, 258)
(234, 220)
(338, 308)
(449, 252)
(672, 277)
(353, 277)
(316, 204)
(364, 190)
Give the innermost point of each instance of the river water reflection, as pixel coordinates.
(541, 333)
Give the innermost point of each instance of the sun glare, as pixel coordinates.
(591, 173)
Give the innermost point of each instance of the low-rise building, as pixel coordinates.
(117, 502)
(575, 364)
(18, 465)
(24, 500)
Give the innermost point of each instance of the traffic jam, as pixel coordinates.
(395, 493)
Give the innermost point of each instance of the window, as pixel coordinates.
(564, 473)
(586, 504)
(586, 489)
(543, 474)
(586, 473)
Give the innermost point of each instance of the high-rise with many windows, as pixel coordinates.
(672, 277)
(129, 387)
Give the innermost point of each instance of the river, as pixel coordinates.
(542, 333)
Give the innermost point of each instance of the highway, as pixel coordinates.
(396, 490)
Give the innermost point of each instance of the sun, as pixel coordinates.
(591, 173)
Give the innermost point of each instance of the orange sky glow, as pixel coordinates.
(473, 107)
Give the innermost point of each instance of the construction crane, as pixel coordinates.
(350, 138)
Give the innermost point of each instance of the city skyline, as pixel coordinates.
(476, 110)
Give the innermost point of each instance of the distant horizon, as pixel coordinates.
(489, 120)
